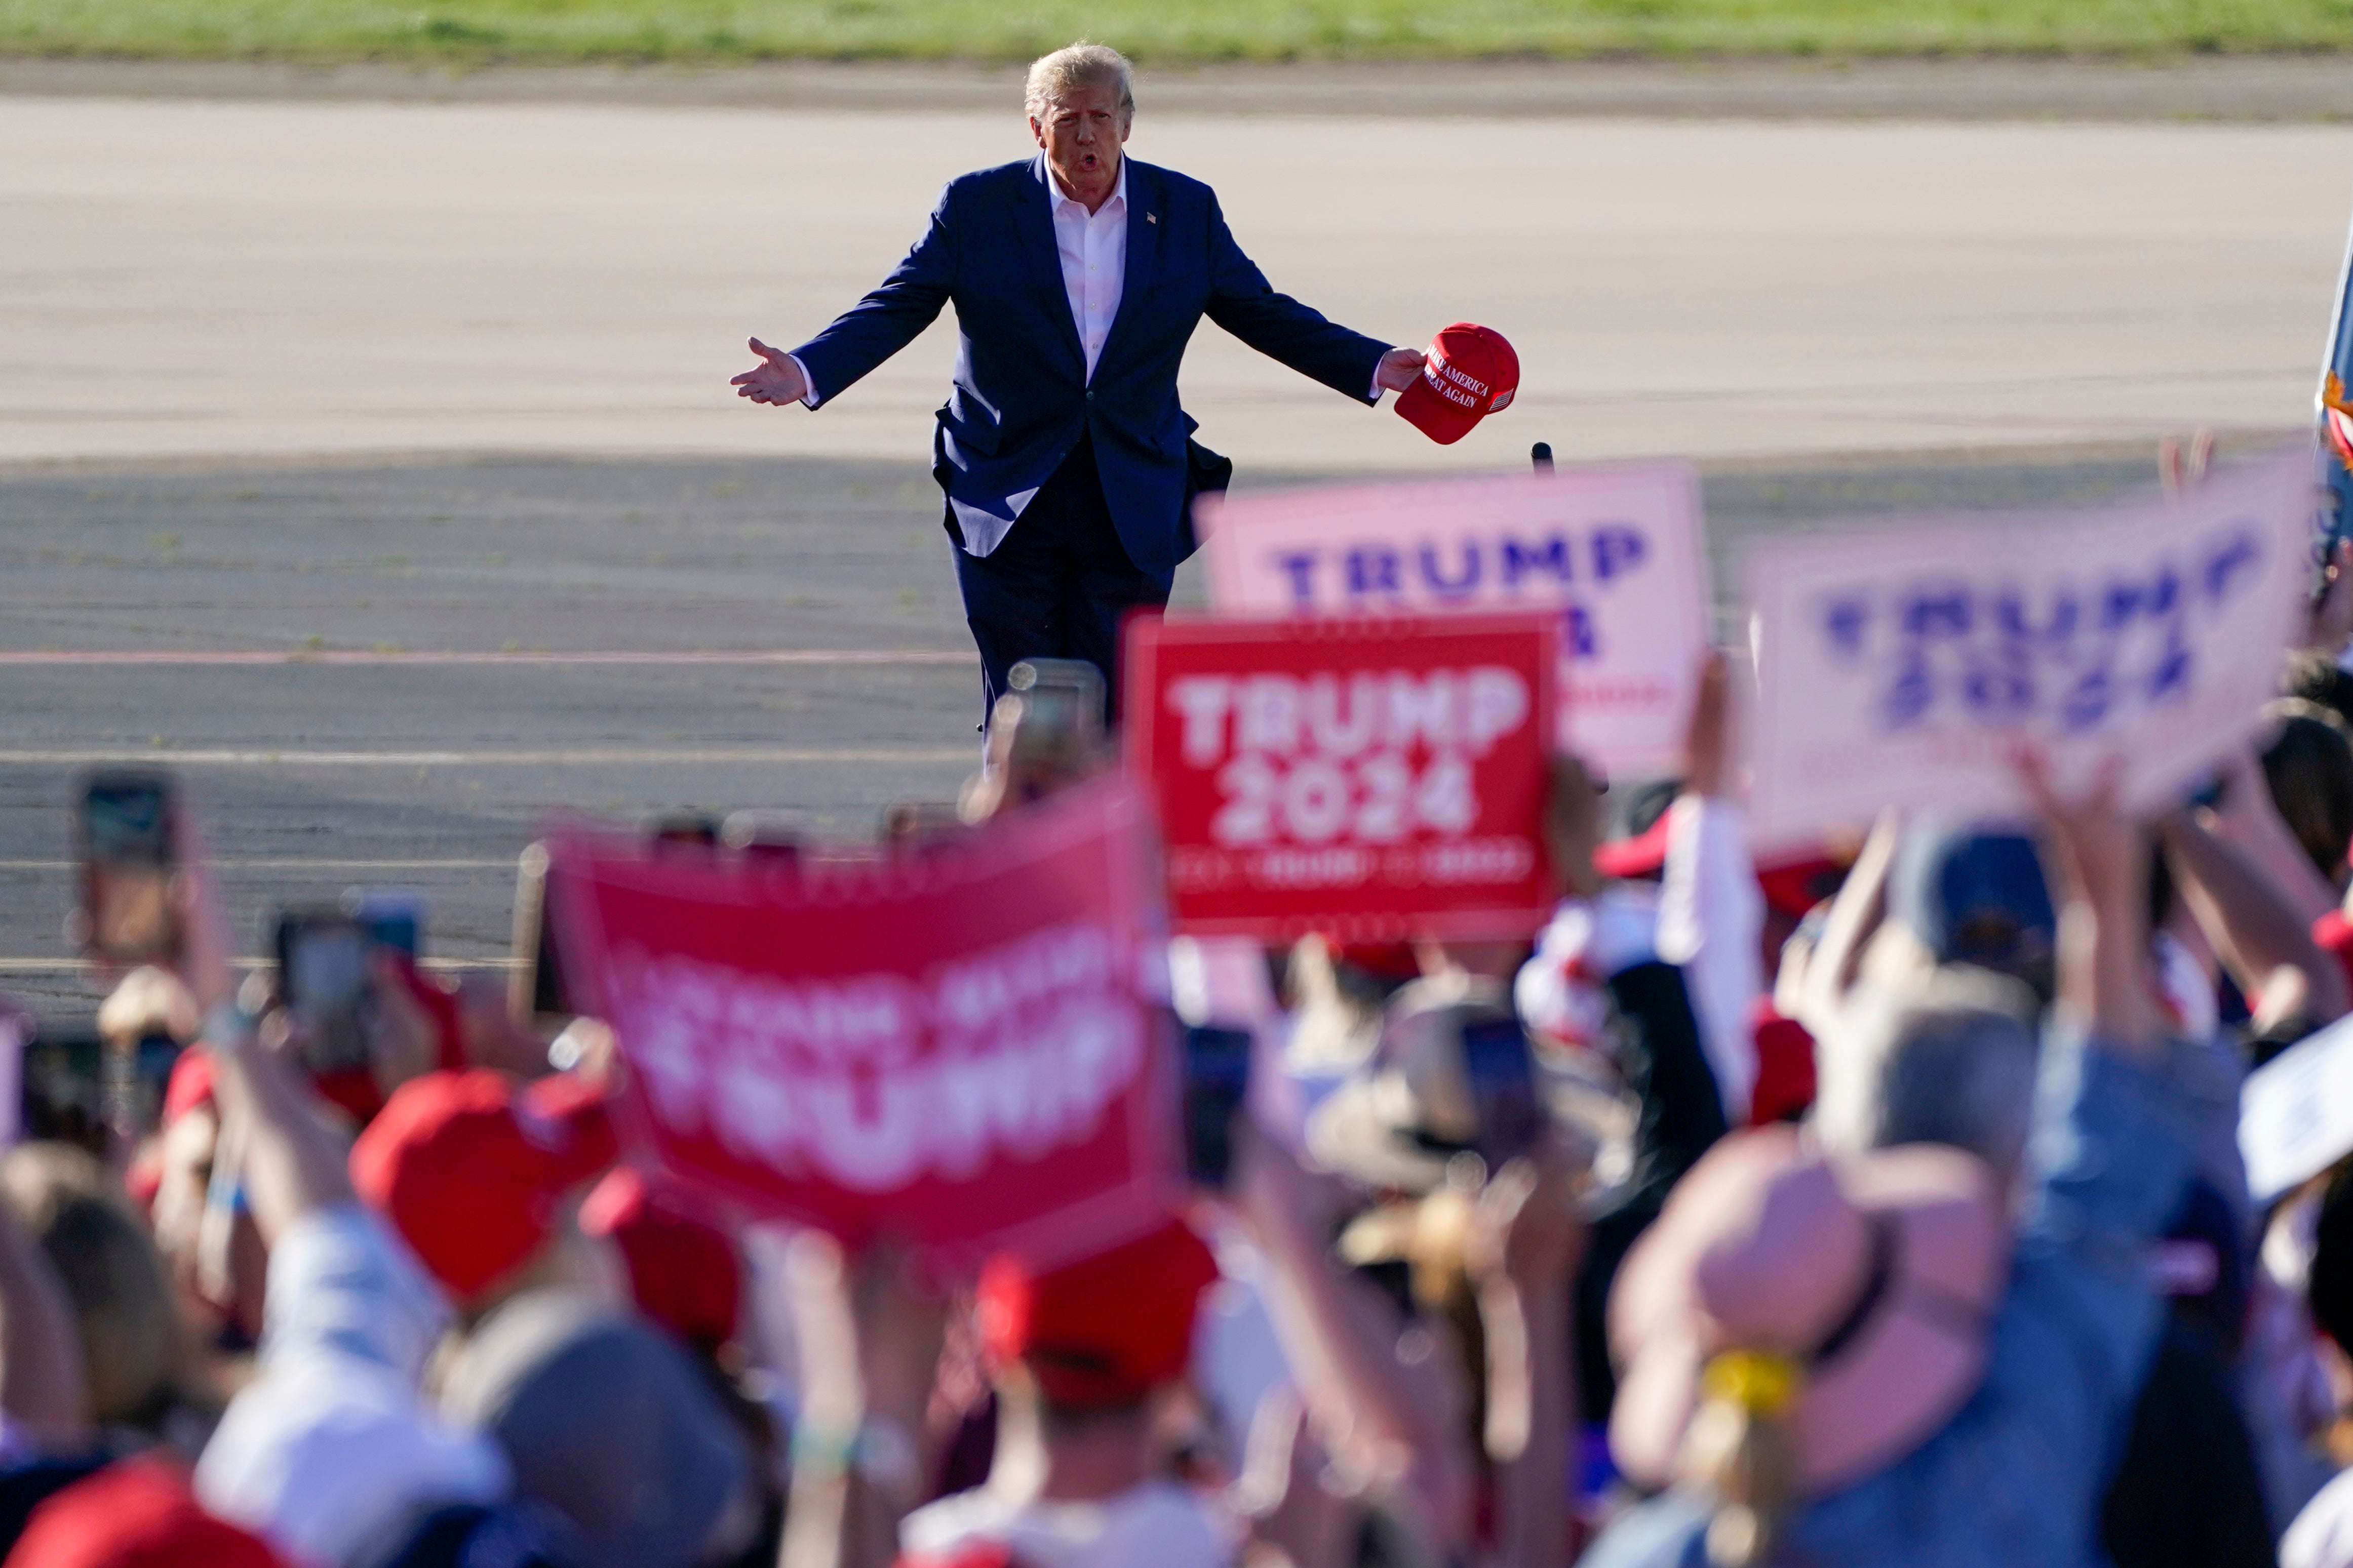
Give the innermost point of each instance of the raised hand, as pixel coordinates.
(1526, 1223)
(1707, 747)
(1572, 825)
(776, 379)
(206, 964)
(2096, 858)
(2094, 850)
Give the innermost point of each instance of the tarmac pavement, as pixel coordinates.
(372, 462)
(300, 278)
(369, 673)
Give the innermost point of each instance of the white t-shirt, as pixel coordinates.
(2322, 1535)
(332, 1445)
(1159, 1524)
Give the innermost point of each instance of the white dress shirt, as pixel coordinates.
(1094, 248)
(333, 1443)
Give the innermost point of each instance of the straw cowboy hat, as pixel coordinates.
(1876, 1278)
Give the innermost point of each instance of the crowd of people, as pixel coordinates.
(1883, 1206)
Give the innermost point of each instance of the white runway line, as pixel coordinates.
(394, 657)
(222, 758)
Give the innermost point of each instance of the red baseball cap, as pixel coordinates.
(137, 1513)
(1643, 855)
(1794, 886)
(190, 1085)
(1785, 1066)
(471, 1166)
(1470, 372)
(1382, 960)
(1106, 1331)
(684, 1271)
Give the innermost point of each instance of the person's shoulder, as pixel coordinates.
(1169, 1519)
(1158, 1521)
(944, 1528)
(1172, 187)
(2322, 1535)
(1162, 1522)
(1669, 1531)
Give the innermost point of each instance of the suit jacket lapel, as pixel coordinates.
(1043, 257)
(1143, 249)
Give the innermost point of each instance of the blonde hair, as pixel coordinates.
(1053, 77)
(150, 1001)
(113, 1275)
(1738, 1447)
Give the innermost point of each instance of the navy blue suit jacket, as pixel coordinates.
(1021, 396)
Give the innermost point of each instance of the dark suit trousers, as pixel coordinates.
(1059, 585)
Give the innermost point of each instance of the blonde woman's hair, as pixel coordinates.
(150, 1001)
(1738, 1448)
(1053, 77)
(113, 1277)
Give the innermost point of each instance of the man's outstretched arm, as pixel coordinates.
(1244, 303)
(890, 317)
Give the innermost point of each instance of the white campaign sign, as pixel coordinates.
(1904, 666)
(1617, 549)
(2296, 1113)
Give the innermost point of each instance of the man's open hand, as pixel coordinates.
(1707, 736)
(776, 379)
(1398, 368)
(2096, 859)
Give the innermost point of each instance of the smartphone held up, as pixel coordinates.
(127, 850)
(326, 980)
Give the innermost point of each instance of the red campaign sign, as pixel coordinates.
(1370, 777)
(954, 1045)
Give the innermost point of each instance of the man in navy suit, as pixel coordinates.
(1078, 276)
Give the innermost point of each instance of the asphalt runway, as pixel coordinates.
(394, 673)
(286, 276)
(265, 362)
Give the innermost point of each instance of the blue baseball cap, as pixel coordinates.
(1975, 895)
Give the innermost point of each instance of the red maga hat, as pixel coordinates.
(1795, 887)
(684, 1271)
(190, 1085)
(136, 1513)
(1470, 372)
(1105, 1331)
(1643, 855)
(470, 1167)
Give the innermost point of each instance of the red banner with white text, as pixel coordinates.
(955, 1047)
(1372, 777)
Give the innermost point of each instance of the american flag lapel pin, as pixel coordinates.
(1152, 218)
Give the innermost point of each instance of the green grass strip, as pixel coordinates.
(718, 31)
